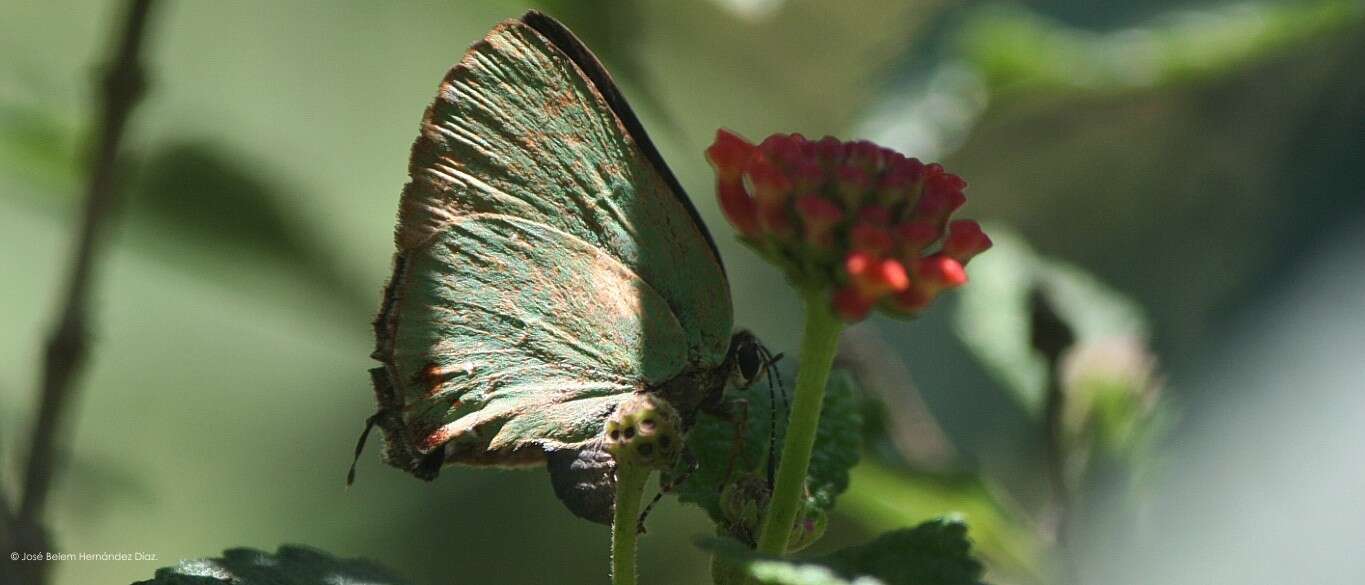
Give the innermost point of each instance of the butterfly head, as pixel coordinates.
(749, 360)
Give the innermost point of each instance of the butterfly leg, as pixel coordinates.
(360, 445)
(667, 487)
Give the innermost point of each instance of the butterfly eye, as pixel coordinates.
(749, 359)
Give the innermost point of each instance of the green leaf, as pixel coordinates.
(713, 442)
(934, 553)
(291, 565)
(885, 498)
(1016, 48)
(838, 440)
(992, 317)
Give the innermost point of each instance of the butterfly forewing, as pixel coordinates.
(547, 263)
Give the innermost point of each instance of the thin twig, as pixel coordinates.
(66, 350)
(1052, 336)
(6, 513)
(6, 509)
(1056, 454)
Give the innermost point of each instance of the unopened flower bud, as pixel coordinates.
(862, 221)
(965, 240)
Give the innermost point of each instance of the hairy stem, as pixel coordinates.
(65, 349)
(818, 345)
(625, 523)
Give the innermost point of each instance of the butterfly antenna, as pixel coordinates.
(772, 426)
(770, 369)
(360, 445)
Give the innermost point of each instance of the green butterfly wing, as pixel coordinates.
(548, 263)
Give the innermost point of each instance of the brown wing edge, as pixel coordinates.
(399, 449)
(564, 40)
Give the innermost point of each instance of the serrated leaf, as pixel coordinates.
(934, 553)
(992, 317)
(290, 565)
(713, 442)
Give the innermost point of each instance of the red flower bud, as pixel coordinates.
(965, 240)
(808, 175)
(937, 203)
(784, 149)
(898, 182)
(819, 216)
(938, 272)
(728, 154)
(852, 183)
(858, 263)
(875, 276)
(910, 302)
(865, 154)
(872, 238)
(829, 151)
(852, 216)
(914, 236)
(739, 208)
(875, 214)
(891, 274)
(771, 186)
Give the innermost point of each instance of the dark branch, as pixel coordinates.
(6, 514)
(66, 350)
(1052, 336)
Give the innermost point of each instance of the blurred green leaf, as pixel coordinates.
(37, 147)
(992, 316)
(712, 440)
(1180, 194)
(1017, 49)
(882, 499)
(934, 553)
(838, 440)
(291, 565)
(227, 217)
(1000, 52)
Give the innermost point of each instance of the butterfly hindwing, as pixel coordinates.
(548, 264)
(513, 332)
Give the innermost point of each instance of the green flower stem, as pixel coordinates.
(818, 345)
(630, 486)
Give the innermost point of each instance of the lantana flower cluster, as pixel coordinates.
(862, 221)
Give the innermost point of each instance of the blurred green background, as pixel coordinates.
(1205, 158)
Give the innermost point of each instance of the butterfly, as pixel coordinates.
(549, 266)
